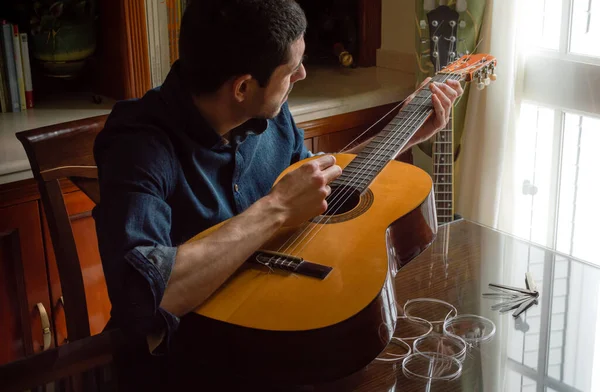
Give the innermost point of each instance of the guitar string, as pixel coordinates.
(384, 116)
(443, 150)
(333, 203)
(449, 75)
(338, 201)
(436, 139)
(439, 150)
(341, 151)
(348, 188)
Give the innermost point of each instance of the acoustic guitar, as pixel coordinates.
(317, 301)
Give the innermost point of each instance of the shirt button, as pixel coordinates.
(236, 187)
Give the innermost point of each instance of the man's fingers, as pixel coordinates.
(424, 83)
(440, 114)
(449, 91)
(325, 161)
(446, 102)
(331, 173)
(455, 84)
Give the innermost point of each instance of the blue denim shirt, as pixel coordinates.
(165, 176)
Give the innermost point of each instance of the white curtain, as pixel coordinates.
(490, 120)
(482, 179)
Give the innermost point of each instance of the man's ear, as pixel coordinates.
(242, 86)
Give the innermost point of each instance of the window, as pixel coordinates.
(554, 167)
(585, 28)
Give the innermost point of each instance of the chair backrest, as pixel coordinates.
(56, 152)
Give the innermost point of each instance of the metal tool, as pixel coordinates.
(514, 297)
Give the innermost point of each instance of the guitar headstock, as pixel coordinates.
(474, 67)
(443, 39)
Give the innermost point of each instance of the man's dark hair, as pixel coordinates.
(220, 39)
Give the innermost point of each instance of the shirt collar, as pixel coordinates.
(187, 117)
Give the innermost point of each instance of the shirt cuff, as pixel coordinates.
(145, 288)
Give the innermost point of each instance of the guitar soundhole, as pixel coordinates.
(341, 200)
(345, 203)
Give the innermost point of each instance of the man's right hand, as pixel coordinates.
(301, 193)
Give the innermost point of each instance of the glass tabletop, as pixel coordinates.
(552, 346)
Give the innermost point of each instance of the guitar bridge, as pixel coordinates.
(289, 263)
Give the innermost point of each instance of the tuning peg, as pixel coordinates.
(480, 84)
(487, 81)
(461, 5)
(422, 24)
(462, 24)
(424, 40)
(493, 76)
(428, 5)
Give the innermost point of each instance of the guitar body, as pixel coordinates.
(279, 326)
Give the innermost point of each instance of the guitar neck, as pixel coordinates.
(443, 173)
(390, 141)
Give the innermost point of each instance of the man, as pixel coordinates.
(205, 147)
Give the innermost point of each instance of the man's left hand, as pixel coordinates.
(443, 97)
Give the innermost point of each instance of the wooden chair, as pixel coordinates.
(56, 152)
(76, 366)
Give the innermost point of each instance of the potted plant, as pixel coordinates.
(63, 35)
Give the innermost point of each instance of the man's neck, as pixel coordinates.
(219, 114)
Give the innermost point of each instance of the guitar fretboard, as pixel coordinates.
(443, 170)
(390, 141)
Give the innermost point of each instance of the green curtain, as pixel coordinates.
(473, 17)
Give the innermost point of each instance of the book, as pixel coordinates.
(11, 71)
(4, 96)
(26, 70)
(19, 66)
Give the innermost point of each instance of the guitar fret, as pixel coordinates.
(379, 150)
(359, 185)
(373, 158)
(367, 174)
(365, 170)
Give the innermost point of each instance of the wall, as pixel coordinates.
(397, 35)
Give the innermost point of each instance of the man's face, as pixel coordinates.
(282, 80)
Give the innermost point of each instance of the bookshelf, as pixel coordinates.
(131, 56)
(121, 68)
